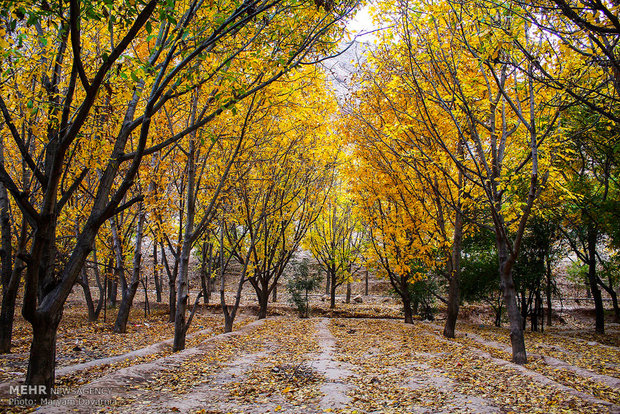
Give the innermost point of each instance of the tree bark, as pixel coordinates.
(90, 305)
(548, 292)
(407, 307)
(263, 299)
(42, 363)
(452, 311)
(156, 274)
(129, 291)
(517, 339)
(593, 280)
(348, 296)
(332, 287)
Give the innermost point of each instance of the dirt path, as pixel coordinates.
(290, 365)
(335, 388)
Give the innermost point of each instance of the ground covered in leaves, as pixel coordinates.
(341, 365)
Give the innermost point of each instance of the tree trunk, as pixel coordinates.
(156, 274)
(129, 291)
(452, 311)
(7, 313)
(274, 294)
(548, 292)
(182, 297)
(9, 294)
(263, 299)
(593, 280)
(517, 339)
(524, 308)
(407, 307)
(90, 305)
(332, 289)
(328, 280)
(42, 362)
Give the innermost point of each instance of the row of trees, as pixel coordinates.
(132, 122)
(474, 118)
(194, 129)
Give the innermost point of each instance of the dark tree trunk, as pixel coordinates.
(452, 311)
(328, 280)
(263, 299)
(517, 339)
(7, 313)
(332, 289)
(9, 294)
(156, 274)
(90, 305)
(348, 296)
(42, 363)
(112, 292)
(593, 280)
(407, 307)
(366, 284)
(129, 290)
(524, 308)
(549, 290)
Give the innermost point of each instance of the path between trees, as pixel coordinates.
(335, 365)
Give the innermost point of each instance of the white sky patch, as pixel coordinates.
(362, 25)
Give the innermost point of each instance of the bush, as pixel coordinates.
(300, 285)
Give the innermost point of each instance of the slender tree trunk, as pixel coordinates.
(549, 288)
(90, 305)
(593, 280)
(348, 296)
(129, 291)
(524, 308)
(9, 294)
(156, 274)
(332, 291)
(452, 311)
(7, 312)
(366, 283)
(328, 279)
(274, 293)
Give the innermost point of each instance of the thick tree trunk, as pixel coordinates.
(42, 363)
(263, 299)
(452, 310)
(517, 339)
(407, 308)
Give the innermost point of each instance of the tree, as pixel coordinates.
(447, 86)
(336, 240)
(149, 55)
